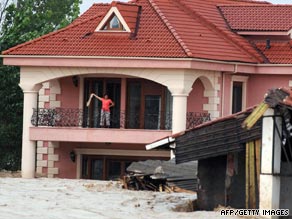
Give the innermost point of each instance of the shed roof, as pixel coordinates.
(215, 138)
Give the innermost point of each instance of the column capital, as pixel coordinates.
(30, 88)
(183, 92)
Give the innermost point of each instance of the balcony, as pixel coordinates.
(66, 117)
(77, 125)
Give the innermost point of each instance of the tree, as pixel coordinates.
(3, 6)
(27, 20)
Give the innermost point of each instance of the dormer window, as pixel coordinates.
(113, 24)
(113, 21)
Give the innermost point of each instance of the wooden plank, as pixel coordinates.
(252, 179)
(257, 113)
(247, 176)
(258, 146)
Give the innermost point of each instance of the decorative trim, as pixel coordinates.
(113, 10)
(48, 163)
(213, 98)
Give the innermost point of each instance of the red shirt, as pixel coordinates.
(106, 104)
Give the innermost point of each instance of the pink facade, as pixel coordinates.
(163, 79)
(258, 85)
(196, 98)
(70, 94)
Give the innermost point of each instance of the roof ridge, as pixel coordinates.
(113, 3)
(49, 34)
(214, 28)
(170, 28)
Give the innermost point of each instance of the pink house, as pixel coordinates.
(167, 65)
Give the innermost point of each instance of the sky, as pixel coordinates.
(87, 3)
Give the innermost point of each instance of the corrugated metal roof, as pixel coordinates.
(181, 175)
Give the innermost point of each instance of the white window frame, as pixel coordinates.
(243, 79)
(113, 10)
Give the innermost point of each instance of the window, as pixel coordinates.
(238, 93)
(152, 111)
(113, 21)
(113, 24)
(237, 97)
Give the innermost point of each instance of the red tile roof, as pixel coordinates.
(278, 53)
(80, 38)
(129, 13)
(167, 28)
(208, 37)
(258, 17)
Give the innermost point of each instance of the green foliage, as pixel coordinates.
(10, 118)
(25, 21)
(30, 19)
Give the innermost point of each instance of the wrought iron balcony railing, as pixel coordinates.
(66, 117)
(196, 118)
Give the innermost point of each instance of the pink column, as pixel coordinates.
(123, 102)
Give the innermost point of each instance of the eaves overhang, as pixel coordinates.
(146, 62)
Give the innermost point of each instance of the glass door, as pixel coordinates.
(113, 88)
(152, 112)
(97, 169)
(133, 105)
(91, 114)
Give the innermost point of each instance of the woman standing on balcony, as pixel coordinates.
(105, 109)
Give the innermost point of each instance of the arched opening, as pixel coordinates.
(139, 103)
(197, 100)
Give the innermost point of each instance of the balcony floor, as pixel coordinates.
(98, 135)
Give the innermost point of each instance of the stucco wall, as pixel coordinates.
(226, 94)
(196, 97)
(258, 85)
(70, 93)
(67, 168)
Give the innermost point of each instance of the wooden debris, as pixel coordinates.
(148, 183)
(274, 98)
(258, 112)
(252, 169)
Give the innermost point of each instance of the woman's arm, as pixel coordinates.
(96, 96)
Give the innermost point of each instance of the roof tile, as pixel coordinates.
(258, 17)
(278, 53)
